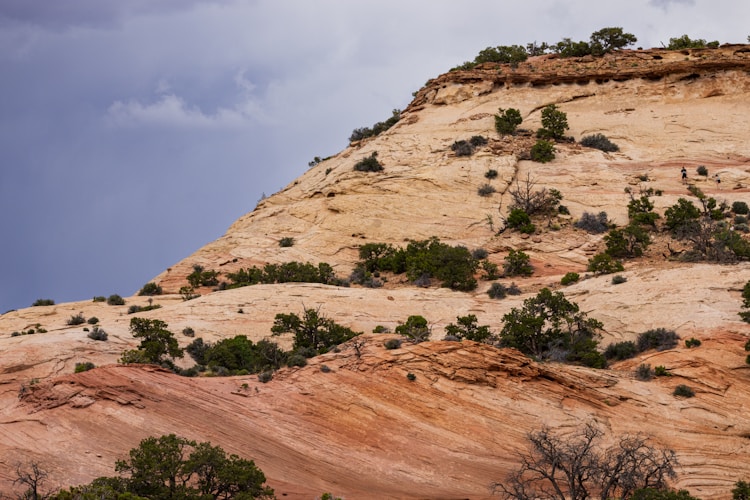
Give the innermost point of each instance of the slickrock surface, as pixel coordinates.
(363, 430)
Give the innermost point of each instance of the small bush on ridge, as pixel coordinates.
(683, 391)
(644, 372)
(600, 142)
(369, 164)
(594, 224)
(570, 278)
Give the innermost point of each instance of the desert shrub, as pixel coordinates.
(466, 327)
(265, 377)
(513, 289)
(742, 227)
(661, 371)
(134, 309)
(188, 293)
(478, 140)
(630, 241)
(660, 339)
(683, 391)
(99, 298)
(740, 219)
(286, 242)
(741, 490)
(641, 210)
(411, 377)
(115, 300)
(518, 218)
(462, 148)
(517, 263)
(362, 133)
(600, 142)
(486, 189)
(312, 331)
(369, 164)
(570, 278)
(296, 360)
(685, 42)
(76, 319)
(491, 174)
(618, 279)
(692, 342)
(188, 332)
(740, 207)
(92, 320)
(43, 302)
(497, 291)
(490, 270)
(554, 123)
(202, 277)
(150, 288)
(325, 368)
(549, 326)
(381, 329)
(681, 218)
(644, 372)
(620, 350)
(543, 151)
(391, 344)
(415, 328)
(288, 272)
(594, 224)
(603, 263)
(479, 253)
(97, 334)
(702, 170)
(507, 121)
(84, 367)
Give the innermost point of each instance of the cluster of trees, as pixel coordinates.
(364, 132)
(288, 272)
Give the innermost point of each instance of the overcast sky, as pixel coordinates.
(133, 132)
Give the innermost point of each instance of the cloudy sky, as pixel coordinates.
(133, 132)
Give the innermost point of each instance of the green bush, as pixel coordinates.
(685, 42)
(478, 140)
(150, 288)
(507, 121)
(100, 298)
(518, 218)
(683, 391)
(630, 241)
(286, 242)
(369, 164)
(486, 190)
(682, 218)
(201, 277)
(462, 148)
(660, 339)
(497, 291)
(692, 342)
(92, 320)
(288, 272)
(188, 332)
(97, 334)
(543, 151)
(517, 263)
(296, 360)
(362, 133)
(594, 224)
(601, 142)
(415, 328)
(702, 170)
(740, 207)
(661, 371)
(43, 302)
(620, 350)
(644, 372)
(391, 344)
(491, 174)
(76, 319)
(618, 279)
(312, 331)
(115, 300)
(570, 278)
(381, 329)
(411, 377)
(466, 327)
(603, 263)
(84, 367)
(554, 123)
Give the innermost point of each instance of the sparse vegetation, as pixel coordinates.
(369, 164)
(363, 133)
(466, 327)
(415, 329)
(594, 224)
(683, 391)
(43, 302)
(603, 263)
(517, 263)
(644, 372)
(115, 300)
(570, 278)
(618, 279)
(97, 334)
(286, 242)
(600, 142)
(312, 331)
(554, 124)
(692, 342)
(76, 319)
(84, 366)
(99, 298)
(202, 277)
(497, 291)
(661, 371)
(702, 170)
(462, 148)
(391, 344)
(685, 42)
(288, 272)
(150, 289)
(543, 151)
(486, 190)
(507, 121)
(620, 350)
(660, 339)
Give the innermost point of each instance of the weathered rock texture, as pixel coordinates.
(363, 430)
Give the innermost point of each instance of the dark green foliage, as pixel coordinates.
(150, 288)
(286, 242)
(486, 190)
(265, 377)
(84, 367)
(188, 332)
(201, 277)
(491, 174)
(661, 371)
(508, 54)
(92, 320)
(391, 344)
(608, 39)
(462, 148)
(620, 350)
(600, 142)
(43, 302)
(288, 272)
(568, 48)
(681, 218)
(518, 218)
(507, 121)
(745, 315)
(489, 269)
(741, 491)
(478, 140)
(692, 342)
(411, 377)
(467, 328)
(453, 266)
(76, 319)
(740, 207)
(97, 334)
(683, 391)
(381, 329)
(603, 263)
(100, 298)
(415, 328)
(554, 124)
(517, 263)
(593, 224)
(237, 355)
(685, 42)
(479, 253)
(197, 350)
(362, 133)
(157, 343)
(543, 151)
(662, 494)
(618, 279)
(702, 170)
(296, 360)
(115, 300)
(312, 331)
(660, 339)
(569, 278)
(550, 326)
(497, 291)
(644, 372)
(641, 210)
(369, 164)
(629, 241)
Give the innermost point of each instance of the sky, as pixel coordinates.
(134, 132)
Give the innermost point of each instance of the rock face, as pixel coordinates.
(360, 428)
